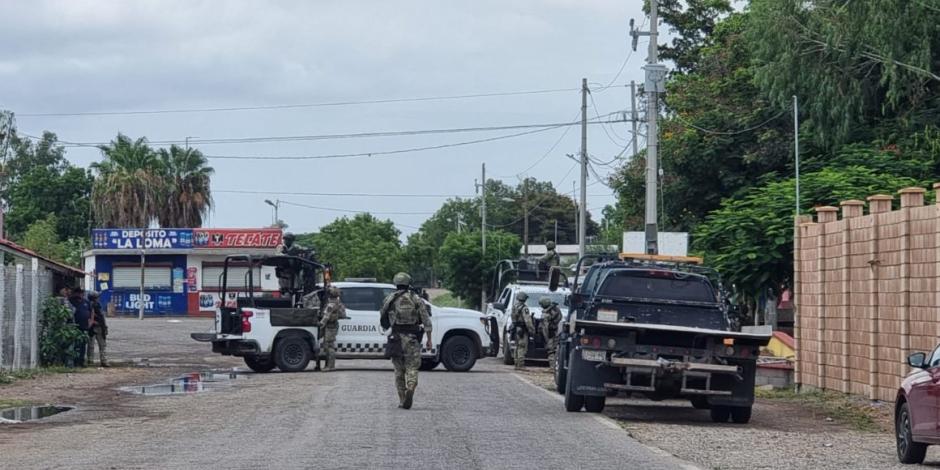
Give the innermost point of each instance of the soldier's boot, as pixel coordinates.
(409, 398)
(401, 398)
(330, 363)
(318, 364)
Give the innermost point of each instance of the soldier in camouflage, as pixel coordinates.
(550, 257)
(329, 324)
(551, 317)
(522, 323)
(405, 313)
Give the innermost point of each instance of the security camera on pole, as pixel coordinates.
(655, 84)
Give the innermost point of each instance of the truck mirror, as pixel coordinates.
(499, 306)
(554, 278)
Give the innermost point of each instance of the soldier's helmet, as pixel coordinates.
(92, 295)
(550, 245)
(402, 279)
(333, 291)
(545, 302)
(522, 296)
(289, 237)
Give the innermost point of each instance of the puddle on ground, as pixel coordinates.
(196, 382)
(30, 413)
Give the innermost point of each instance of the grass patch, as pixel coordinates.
(449, 300)
(853, 411)
(9, 376)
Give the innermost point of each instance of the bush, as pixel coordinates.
(59, 338)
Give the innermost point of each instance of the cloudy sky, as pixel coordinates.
(75, 56)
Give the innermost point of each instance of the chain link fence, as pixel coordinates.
(22, 291)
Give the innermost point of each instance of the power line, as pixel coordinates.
(624, 64)
(296, 106)
(352, 211)
(375, 153)
(295, 193)
(714, 132)
(547, 152)
(295, 138)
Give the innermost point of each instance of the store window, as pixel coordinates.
(155, 277)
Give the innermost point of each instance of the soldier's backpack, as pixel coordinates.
(407, 309)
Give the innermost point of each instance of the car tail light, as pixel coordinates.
(246, 321)
(594, 342)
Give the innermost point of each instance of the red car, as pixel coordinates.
(917, 408)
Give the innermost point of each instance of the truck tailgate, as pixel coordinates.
(612, 328)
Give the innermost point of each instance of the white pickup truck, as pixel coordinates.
(271, 335)
(501, 309)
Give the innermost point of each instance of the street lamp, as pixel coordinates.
(276, 205)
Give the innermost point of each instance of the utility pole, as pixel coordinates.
(556, 232)
(525, 218)
(633, 115)
(582, 219)
(481, 187)
(143, 270)
(654, 85)
(576, 211)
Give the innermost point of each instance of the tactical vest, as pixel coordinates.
(406, 310)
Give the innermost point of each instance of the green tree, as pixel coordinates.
(187, 194)
(42, 238)
(749, 239)
(465, 269)
(130, 186)
(691, 22)
(362, 246)
(38, 181)
(852, 64)
(718, 139)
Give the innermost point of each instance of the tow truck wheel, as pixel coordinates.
(561, 376)
(292, 354)
(594, 404)
(721, 414)
(507, 353)
(260, 364)
(573, 401)
(741, 414)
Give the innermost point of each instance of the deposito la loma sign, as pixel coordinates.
(172, 238)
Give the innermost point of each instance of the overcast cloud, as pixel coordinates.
(81, 56)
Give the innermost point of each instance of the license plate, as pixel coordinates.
(593, 355)
(607, 315)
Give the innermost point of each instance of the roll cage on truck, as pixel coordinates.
(270, 332)
(283, 331)
(657, 326)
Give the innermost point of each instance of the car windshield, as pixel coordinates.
(534, 298)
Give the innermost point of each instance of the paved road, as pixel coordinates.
(488, 418)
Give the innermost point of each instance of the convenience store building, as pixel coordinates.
(181, 267)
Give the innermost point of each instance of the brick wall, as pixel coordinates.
(867, 292)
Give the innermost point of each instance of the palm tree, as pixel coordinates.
(130, 184)
(187, 195)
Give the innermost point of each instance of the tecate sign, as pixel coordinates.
(170, 238)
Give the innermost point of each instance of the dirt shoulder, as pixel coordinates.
(145, 352)
(812, 431)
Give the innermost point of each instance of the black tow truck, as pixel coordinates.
(659, 327)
